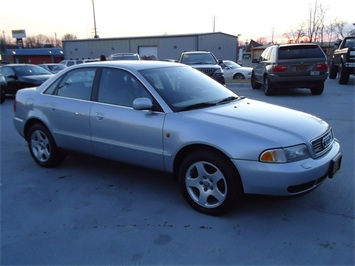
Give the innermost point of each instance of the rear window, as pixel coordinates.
(294, 52)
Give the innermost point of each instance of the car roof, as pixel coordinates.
(297, 44)
(132, 64)
(194, 52)
(13, 65)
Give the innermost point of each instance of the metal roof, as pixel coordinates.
(35, 51)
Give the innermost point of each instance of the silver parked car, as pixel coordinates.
(171, 117)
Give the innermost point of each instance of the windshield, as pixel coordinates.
(27, 70)
(231, 64)
(182, 87)
(198, 58)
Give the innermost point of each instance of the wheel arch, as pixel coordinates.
(200, 147)
(30, 123)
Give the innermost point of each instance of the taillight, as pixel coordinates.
(279, 68)
(322, 66)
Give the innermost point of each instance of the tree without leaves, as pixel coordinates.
(314, 28)
(316, 21)
(68, 37)
(296, 36)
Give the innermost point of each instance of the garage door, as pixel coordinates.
(148, 52)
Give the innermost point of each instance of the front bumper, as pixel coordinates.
(286, 178)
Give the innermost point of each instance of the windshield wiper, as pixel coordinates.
(197, 106)
(231, 98)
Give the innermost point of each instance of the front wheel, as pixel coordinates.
(42, 147)
(209, 182)
(238, 76)
(343, 75)
(254, 84)
(333, 71)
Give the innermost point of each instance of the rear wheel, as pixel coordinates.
(318, 90)
(254, 84)
(209, 182)
(42, 147)
(269, 88)
(2, 96)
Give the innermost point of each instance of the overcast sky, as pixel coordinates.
(117, 18)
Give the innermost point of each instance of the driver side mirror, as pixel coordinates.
(12, 77)
(142, 104)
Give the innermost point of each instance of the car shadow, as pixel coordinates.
(112, 178)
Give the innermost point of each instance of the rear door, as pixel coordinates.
(67, 107)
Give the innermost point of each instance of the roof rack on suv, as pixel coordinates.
(124, 56)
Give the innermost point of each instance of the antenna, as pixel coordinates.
(93, 10)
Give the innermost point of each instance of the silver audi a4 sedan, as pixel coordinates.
(171, 117)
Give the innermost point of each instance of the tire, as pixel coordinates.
(333, 71)
(238, 76)
(254, 84)
(2, 96)
(269, 88)
(343, 75)
(318, 90)
(209, 182)
(42, 147)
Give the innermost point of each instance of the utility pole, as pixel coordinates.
(93, 10)
(214, 23)
(272, 35)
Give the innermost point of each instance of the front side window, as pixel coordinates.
(76, 84)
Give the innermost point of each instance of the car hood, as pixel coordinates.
(264, 124)
(205, 66)
(37, 79)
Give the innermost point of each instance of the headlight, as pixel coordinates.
(284, 155)
(219, 71)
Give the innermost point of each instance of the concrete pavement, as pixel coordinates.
(91, 211)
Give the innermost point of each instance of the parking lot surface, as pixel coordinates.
(91, 211)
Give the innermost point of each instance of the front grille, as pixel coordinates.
(323, 143)
(207, 71)
(306, 186)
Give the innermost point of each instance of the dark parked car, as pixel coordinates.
(3, 85)
(173, 118)
(19, 76)
(289, 66)
(206, 62)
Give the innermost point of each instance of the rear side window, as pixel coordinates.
(76, 84)
(295, 52)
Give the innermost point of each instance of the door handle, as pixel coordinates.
(99, 116)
